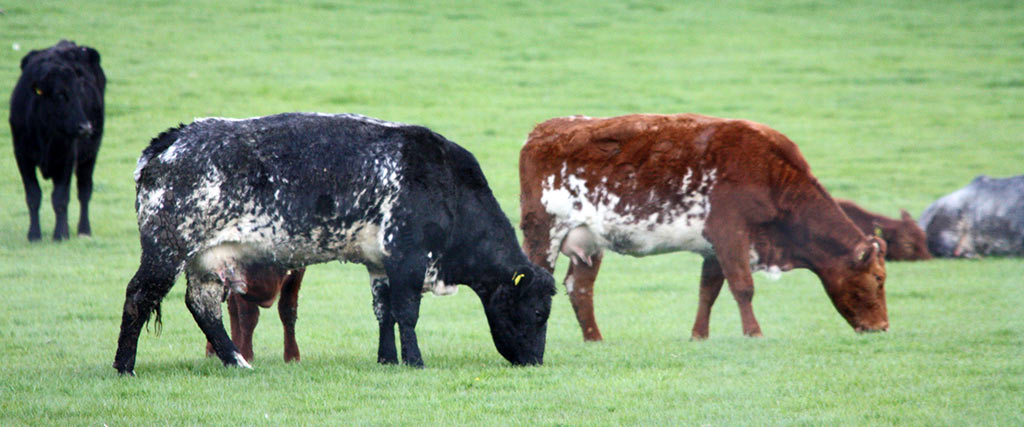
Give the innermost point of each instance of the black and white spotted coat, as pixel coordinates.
(984, 218)
(298, 189)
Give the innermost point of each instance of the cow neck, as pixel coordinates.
(830, 236)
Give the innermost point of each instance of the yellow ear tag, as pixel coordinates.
(878, 231)
(517, 278)
(39, 91)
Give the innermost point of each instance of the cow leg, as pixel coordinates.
(59, 200)
(387, 354)
(203, 299)
(145, 291)
(288, 308)
(233, 318)
(242, 329)
(732, 249)
(83, 178)
(537, 228)
(579, 284)
(33, 195)
(406, 288)
(711, 280)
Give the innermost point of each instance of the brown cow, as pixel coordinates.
(261, 284)
(905, 239)
(734, 191)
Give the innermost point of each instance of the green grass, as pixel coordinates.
(892, 105)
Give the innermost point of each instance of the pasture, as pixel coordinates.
(893, 105)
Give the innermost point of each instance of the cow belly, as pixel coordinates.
(655, 227)
(636, 239)
(360, 243)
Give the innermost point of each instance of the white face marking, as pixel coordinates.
(672, 228)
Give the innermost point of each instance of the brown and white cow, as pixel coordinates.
(737, 192)
(905, 239)
(258, 286)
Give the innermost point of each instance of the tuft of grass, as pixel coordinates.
(892, 105)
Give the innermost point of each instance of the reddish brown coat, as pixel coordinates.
(264, 284)
(737, 192)
(906, 241)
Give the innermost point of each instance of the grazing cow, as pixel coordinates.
(984, 218)
(905, 240)
(262, 284)
(56, 123)
(736, 192)
(219, 196)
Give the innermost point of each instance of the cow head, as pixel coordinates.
(57, 91)
(906, 241)
(517, 312)
(857, 286)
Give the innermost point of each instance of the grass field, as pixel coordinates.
(893, 104)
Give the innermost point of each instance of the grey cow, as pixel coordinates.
(984, 218)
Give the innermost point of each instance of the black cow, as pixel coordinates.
(57, 122)
(219, 196)
(984, 218)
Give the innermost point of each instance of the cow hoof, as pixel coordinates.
(124, 372)
(698, 338)
(240, 362)
(34, 237)
(387, 361)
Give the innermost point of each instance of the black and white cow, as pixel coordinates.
(984, 218)
(296, 189)
(56, 123)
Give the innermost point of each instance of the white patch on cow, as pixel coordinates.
(671, 228)
(241, 361)
(207, 193)
(367, 119)
(772, 272)
(223, 119)
(388, 175)
(150, 201)
(433, 283)
(569, 283)
(171, 153)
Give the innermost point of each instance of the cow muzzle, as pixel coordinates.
(884, 327)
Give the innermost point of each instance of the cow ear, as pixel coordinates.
(904, 215)
(866, 251)
(92, 55)
(27, 57)
(522, 277)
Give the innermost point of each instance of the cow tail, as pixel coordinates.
(158, 321)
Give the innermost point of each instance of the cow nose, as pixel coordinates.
(85, 129)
